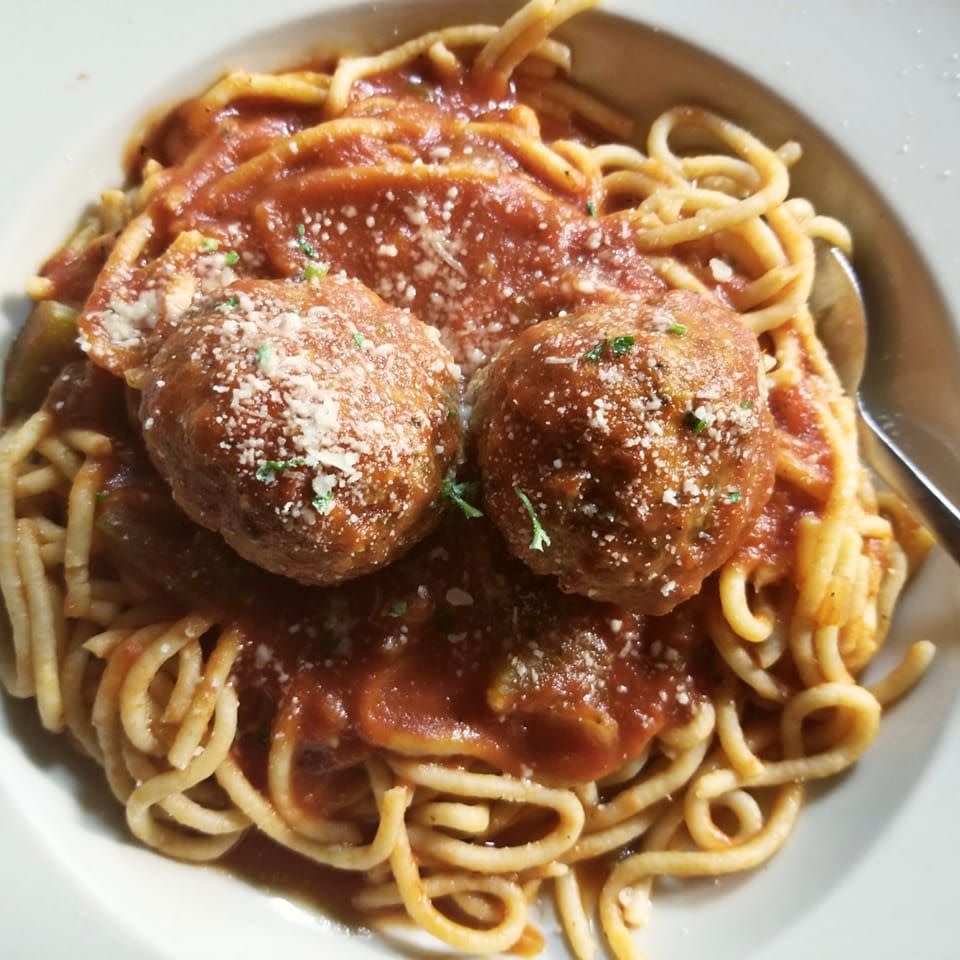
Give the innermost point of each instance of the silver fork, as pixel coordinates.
(841, 318)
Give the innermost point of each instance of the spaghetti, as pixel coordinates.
(433, 728)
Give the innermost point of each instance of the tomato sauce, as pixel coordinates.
(457, 649)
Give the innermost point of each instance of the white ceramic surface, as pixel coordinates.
(870, 871)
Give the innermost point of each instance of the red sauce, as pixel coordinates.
(457, 649)
(74, 272)
(772, 542)
(448, 220)
(485, 661)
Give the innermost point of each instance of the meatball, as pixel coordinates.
(626, 448)
(310, 424)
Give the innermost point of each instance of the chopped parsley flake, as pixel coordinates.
(358, 339)
(591, 208)
(315, 271)
(679, 329)
(746, 404)
(397, 609)
(232, 302)
(304, 244)
(262, 354)
(540, 537)
(456, 492)
(323, 504)
(618, 347)
(232, 258)
(101, 495)
(733, 496)
(209, 245)
(270, 468)
(693, 422)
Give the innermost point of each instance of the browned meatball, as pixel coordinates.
(310, 424)
(626, 448)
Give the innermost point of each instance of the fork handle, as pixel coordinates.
(938, 512)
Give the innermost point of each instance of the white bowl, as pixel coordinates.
(870, 870)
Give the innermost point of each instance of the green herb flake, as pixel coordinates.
(232, 302)
(304, 244)
(456, 494)
(263, 354)
(358, 339)
(746, 405)
(270, 468)
(680, 329)
(618, 347)
(540, 537)
(323, 503)
(263, 734)
(591, 208)
(315, 271)
(397, 609)
(693, 422)
(209, 245)
(232, 258)
(595, 353)
(101, 495)
(733, 496)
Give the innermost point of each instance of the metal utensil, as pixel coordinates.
(841, 317)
